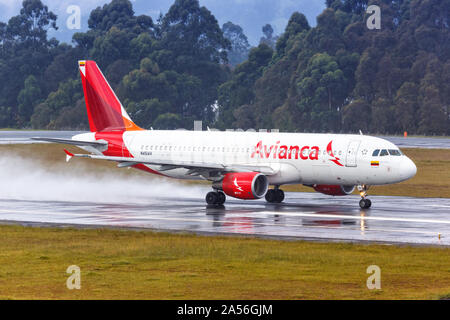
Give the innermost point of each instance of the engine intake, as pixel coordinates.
(334, 190)
(245, 185)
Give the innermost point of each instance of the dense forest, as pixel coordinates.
(339, 76)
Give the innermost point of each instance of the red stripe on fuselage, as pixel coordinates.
(117, 148)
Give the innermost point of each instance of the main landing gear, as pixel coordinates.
(215, 198)
(275, 195)
(364, 203)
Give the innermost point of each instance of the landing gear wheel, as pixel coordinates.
(279, 195)
(275, 195)
(215, 198)
(221, 198)
(365, 203)
(270, 196)
(211, 198)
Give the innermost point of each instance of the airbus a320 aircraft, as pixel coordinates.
(239, 164)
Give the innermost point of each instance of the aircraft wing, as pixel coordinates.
(98, 143)
(169, 164)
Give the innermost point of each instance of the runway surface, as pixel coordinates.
(308, 216)
(9, 137)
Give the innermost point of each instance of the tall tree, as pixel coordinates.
(30, 26)
(268, 37)
(239, 43)
(188, 29)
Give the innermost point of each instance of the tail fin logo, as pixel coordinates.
(105, 112)
(330, 153)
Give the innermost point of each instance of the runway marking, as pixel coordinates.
(352, 217)
(437, 206)
(258, 215)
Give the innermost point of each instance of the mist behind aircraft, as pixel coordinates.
(28, 179)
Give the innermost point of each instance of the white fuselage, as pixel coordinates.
(296, 158)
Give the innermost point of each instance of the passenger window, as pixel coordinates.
(383, 153)
(375, 153)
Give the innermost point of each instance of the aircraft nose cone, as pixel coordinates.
(408, 169)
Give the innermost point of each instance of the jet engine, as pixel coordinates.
(245, 185)
(334, 190)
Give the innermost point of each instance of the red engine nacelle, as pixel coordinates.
(245, 185)
(334, 190)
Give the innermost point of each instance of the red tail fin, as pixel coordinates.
(105, 112)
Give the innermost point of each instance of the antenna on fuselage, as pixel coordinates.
(360, 132)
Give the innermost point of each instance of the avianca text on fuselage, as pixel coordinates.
(278, 151)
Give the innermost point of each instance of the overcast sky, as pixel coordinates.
(251, 15)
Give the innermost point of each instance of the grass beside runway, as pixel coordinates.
(119, 264)
(432, 178)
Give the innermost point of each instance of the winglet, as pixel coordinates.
(69, 155)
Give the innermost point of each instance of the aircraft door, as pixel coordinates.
(352, 152)
(127, 144)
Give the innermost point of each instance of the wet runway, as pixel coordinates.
(308, 216)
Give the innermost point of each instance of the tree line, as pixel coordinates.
(341, 76)
(338, 76)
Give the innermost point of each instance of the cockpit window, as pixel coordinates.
(375, 153)
(394, 152)
(383, 153)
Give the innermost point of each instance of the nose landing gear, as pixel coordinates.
(364, 203)
(215, 198)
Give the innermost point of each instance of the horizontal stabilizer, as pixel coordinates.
(73, 142)
(69, 155)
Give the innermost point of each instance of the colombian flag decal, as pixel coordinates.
(82, 63)
(374, 163)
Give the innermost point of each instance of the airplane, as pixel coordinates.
(240, 165)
